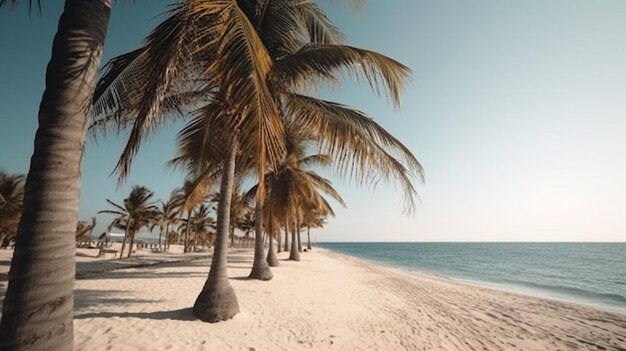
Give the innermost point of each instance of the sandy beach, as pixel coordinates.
(325, 302)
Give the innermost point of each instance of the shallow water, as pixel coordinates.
(591, 273)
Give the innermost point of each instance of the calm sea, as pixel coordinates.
(591, 273)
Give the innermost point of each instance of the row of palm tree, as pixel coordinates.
(247, 65)
(244, 71)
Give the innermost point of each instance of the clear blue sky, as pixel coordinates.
(517, 110)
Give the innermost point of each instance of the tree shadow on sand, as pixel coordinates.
(183, 314)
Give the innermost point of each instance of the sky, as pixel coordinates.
(516, 110)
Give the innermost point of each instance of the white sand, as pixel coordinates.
(325, 302)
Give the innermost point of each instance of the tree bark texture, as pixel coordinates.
(39, 302)
(217, 300)
(294, 254)
(260, 267)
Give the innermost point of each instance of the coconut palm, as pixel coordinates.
(136, 212)
(193, 193)
(315, 218)
(84, 227)
(11, 202)
(294, 189)
(38, 306)
(250, 60)
(166, 216)
(198, 225)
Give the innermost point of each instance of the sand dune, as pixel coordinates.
(326, 302)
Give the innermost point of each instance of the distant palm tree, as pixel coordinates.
(166, 216)
(315, 219)
(11, 203)
(84, 227)
(136, 212)
(193, 193)
(198, 225)
(293, 189)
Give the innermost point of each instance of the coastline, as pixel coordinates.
(327, 301)
(594, 298)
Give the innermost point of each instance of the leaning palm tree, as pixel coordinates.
(136, 212)
(38, 306)
(250, 61)
(84, 227)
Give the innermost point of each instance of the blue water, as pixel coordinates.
(591, 273)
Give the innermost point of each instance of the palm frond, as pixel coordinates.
(385, 75)
(361, 148)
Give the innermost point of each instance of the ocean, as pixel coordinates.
(588, 273)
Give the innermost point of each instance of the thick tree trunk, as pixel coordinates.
(294, 254)
(217, 300)
(308, 239)
(260, 267)
(286, 248)
(39, 302)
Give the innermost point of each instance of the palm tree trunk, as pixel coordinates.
(260, 267)
(160, 235)
(195, 241)
(279, 238)
(299, 239)
(167, 229)
(39, 302)
(186, 241)
(294, 254)
(272, 259)
(126, 232)
(308, 238)
(217, 300)
(132, 242)
(286, 248)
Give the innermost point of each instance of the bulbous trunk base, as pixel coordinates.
(261, 271)
(272, 259)
(217, 302)
(294, 255)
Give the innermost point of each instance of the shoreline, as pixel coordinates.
(504, 287)
(514, 287)
(328, 301)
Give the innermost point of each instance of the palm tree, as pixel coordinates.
(166, 216)
(293, 189)
(38, 306)
(11, 202)
(250, 60)
(137, 212)
(83, 227)
(192, 194)
(316, 218)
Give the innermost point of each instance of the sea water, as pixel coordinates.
(589, 273)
